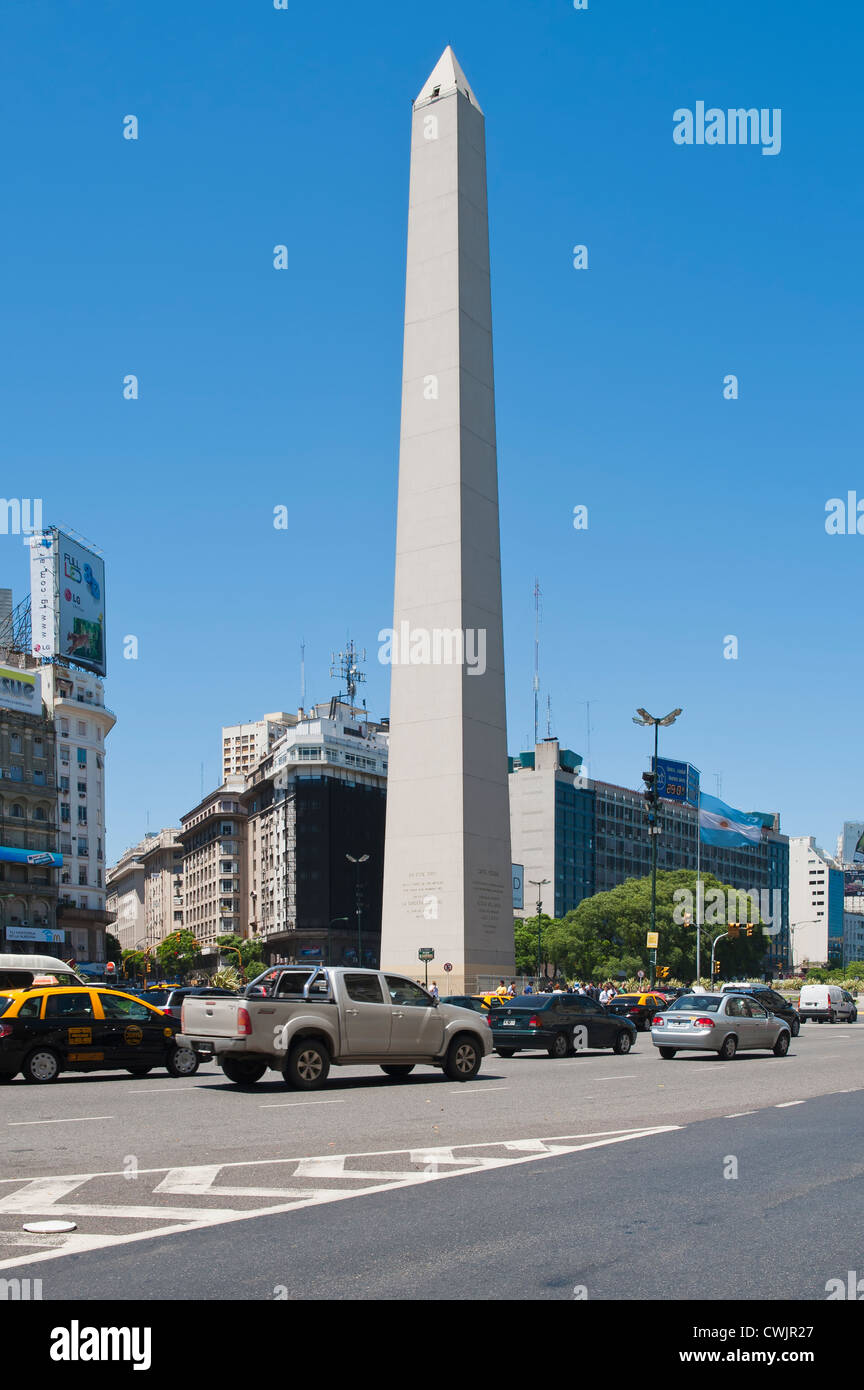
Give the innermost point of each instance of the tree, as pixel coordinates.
(177, 953)
(133, 963)
(611, 927)
(250, 953)
(113, 949)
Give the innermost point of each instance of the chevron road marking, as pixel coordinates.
(47, 1196)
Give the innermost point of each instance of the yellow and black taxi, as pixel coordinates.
(44, 1031)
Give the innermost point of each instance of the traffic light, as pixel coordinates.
(749, 928)
(650, 792)
(734, 930)
(663, 972)
(717, 967)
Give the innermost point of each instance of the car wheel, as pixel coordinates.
(796, 1027)
(308, 1065)
(463, 1059)
(139, 1071)
(398, 1071)
(853, 1017)
(622, 1043)
(667, 1053)
(505, 1051)
(832, 1017)
(559, 1046)
(781, 1046)
(729, 1048)
(182, 1061)
(646, 1025)
(41, 1066)
(243, 1071)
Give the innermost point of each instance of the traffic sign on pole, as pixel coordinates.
(447, 966)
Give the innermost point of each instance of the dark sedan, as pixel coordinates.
(560, 1024)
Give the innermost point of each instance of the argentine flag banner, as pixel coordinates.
(719, 824)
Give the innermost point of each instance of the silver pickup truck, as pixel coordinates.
(300, 1021)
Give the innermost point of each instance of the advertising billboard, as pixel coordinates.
(43, 593)
(81, 605)
(518, 886)
(852, 848)
(9, 855)
(21, 690)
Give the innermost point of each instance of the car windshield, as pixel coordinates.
(696, 1004)
(157, 997)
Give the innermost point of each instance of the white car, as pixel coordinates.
(827, 1003)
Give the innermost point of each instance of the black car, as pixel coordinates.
(173, 1003)
(772, 1003)
(640, 1008)
(465, 1001)
(561, 1024)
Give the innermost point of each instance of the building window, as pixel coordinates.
(64, 726)
(39, 813)
(38, 778)
(17, 810)
(14, 743)
(65, 813)
(15, 774)
(82, 788)
(83, 848)
(64, 784)
(82, 815)
(82, 757)
(82, 877)
(64, 752)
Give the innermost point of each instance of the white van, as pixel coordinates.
(21, 971)
(821, 1002)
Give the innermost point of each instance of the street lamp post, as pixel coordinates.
(645, 719)
(357, 861)
(329, 937)
(539, 883)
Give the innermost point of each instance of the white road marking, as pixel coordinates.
(784, 1105)
(78, 1120)
(187, 1219)
(626, 1076)
(480, 1091)
(290, 1104)
(736, 1114)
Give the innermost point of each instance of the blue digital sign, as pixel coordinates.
(677, 781)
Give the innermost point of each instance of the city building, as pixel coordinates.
(317, 797)
(29, 857)
(213, 840)
(75, 699)
(816, 904)
(853, 937)
(585, 836)
(145, 890)
(243, 745)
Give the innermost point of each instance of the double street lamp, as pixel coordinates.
(358, 905)
(539, 883)
(643, 718)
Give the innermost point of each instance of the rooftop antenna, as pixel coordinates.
(344, 667)
(548, 716)
(718, 781)
(302, 674)
(536, 658)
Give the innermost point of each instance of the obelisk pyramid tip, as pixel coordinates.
(446, 77)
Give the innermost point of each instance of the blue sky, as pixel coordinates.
(260, 388)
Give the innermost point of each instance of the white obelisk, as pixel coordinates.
(447, 870)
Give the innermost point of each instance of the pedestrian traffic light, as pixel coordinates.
(663, 972)
(749, 928)
(734, 930)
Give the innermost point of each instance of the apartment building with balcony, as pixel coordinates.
(29, 857)
(145, 890)
(243, 745)
(318, 796)
(76, 701)
(213, 840)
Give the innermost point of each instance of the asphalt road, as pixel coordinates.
(497, 1188)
